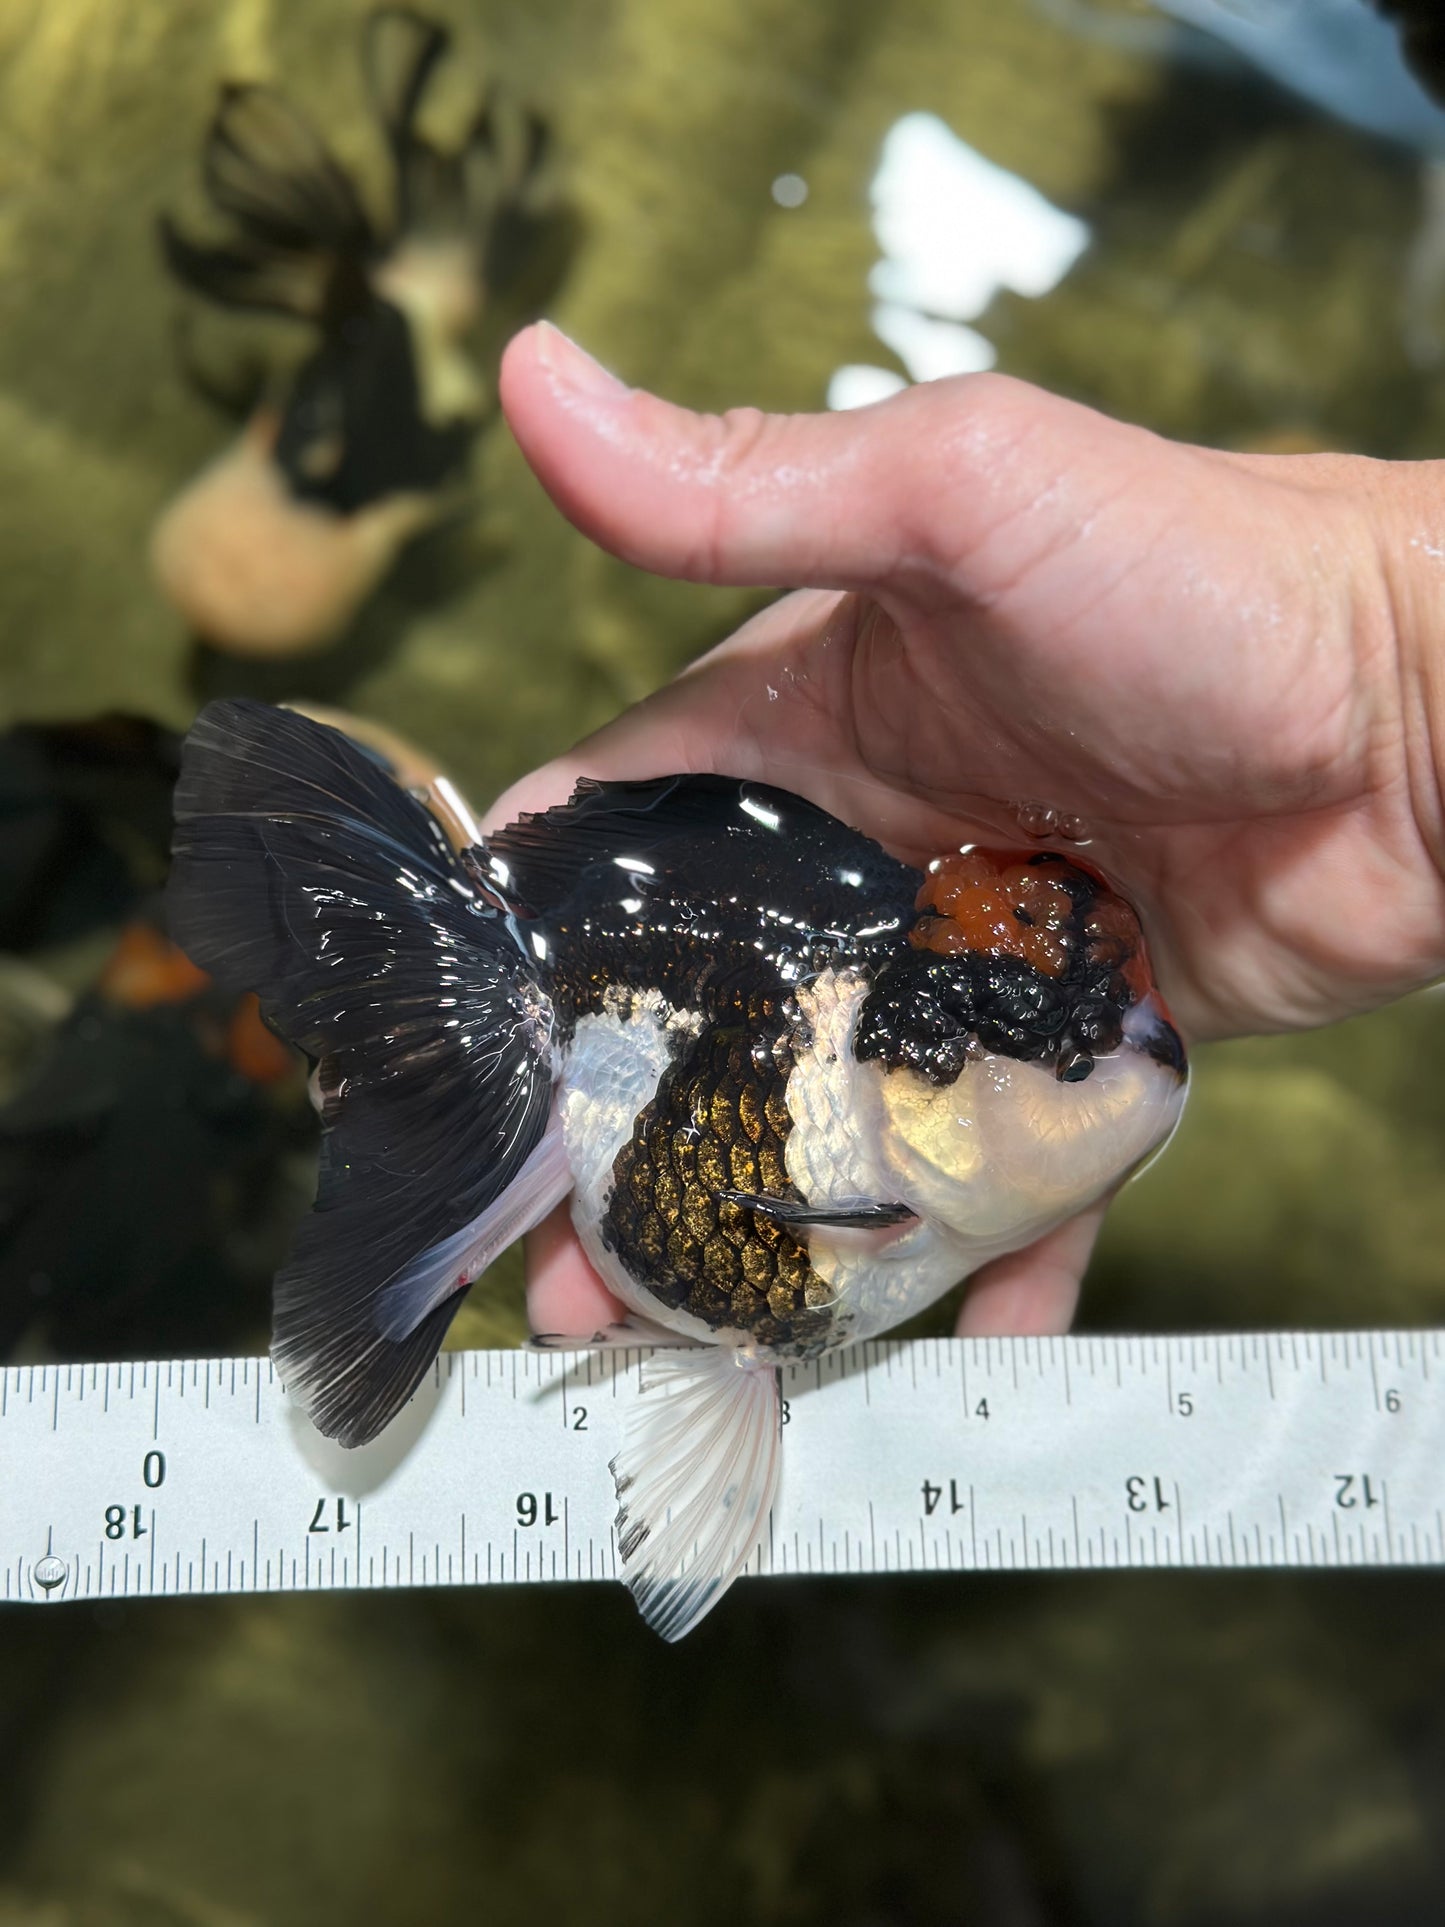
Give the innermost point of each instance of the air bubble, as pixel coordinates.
(1039, 821)
(1035, 819)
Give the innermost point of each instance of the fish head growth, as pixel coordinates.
(1016, 1056)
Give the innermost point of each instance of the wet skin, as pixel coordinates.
(1221, 663)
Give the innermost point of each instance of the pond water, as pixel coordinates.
(783, 203)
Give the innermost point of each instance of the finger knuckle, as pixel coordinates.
(737, 455)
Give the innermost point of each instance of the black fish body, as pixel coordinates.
(795, 1088)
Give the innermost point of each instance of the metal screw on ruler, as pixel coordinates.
(49, 1573)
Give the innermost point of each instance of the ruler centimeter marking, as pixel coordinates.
(965, 1455)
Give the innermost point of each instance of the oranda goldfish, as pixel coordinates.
(274, 547)
(794, 1088)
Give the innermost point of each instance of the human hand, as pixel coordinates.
(1220, 663)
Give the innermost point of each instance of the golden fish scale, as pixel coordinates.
(718, 1122)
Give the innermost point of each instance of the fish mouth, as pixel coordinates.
(1148, 1027)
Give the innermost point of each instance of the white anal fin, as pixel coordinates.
(696, 1478)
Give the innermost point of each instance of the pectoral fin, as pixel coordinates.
(859, 1214)
(627, 1335)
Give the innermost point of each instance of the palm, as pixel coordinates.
(1191, 652)
(1249, 815)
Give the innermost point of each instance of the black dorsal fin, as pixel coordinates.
(702, 838)
(303, 872)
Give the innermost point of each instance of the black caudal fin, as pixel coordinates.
(267, 168)
(304, 873)
(400, 51)
(295, 215)
(245, 275)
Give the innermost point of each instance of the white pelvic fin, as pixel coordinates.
(695, 1478)
(434, 1274)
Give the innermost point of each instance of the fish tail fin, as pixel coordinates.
(696, 1478)
(401, 50)
(303, 872)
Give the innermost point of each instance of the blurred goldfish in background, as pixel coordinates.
(273, 548)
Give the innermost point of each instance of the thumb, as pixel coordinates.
(832, 501)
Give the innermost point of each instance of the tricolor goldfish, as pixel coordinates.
(794, 1088)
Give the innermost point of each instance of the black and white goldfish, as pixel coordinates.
(273, 548)
(795, 1088)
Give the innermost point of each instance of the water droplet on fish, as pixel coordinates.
(772, 693)
(1075, 829)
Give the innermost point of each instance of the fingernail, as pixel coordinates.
(574, 367)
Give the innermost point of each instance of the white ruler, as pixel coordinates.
(1292, 1449)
